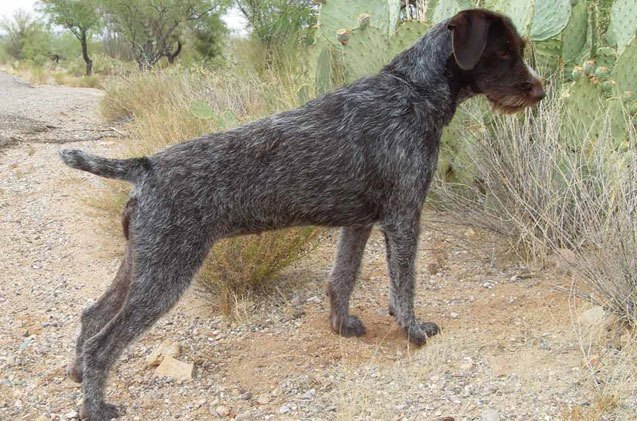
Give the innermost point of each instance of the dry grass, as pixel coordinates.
(41, 75)
(531, 185)
(162, 108)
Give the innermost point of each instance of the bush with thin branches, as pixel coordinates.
(532, 185)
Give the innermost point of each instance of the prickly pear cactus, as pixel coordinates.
(444, 9)
(625, 73)
(548, 53)
(550, 17)
(406, 35)
(365, 53)
(623, 23)
(201, 109)
(575, 34)
(589, 108)
(337, 15)
(520, 12)
(328, 71)
(367, 50)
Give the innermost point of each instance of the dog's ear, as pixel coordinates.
(469, 37)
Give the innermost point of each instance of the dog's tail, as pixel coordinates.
(122, 169)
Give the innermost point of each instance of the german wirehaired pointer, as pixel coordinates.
(362, 155)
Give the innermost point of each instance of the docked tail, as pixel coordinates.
(121, 169)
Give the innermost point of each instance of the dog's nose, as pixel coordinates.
(537, 90)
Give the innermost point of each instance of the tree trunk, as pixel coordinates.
(87, 59)
(172, 56)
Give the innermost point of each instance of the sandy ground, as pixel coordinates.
(509, 349)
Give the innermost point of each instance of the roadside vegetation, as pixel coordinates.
(558, 180)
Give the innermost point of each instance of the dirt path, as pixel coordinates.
(508, 347)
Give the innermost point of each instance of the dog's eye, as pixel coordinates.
(504, 54)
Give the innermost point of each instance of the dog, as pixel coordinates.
(364, 154)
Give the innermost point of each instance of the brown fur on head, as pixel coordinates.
(488, 49)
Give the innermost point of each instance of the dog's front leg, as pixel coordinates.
(401, 236)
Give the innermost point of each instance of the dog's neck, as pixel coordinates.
(430, 65)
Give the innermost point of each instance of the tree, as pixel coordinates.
(23, 33)
(207, 34)
(278, 22)
(81, 17)
(154, 28)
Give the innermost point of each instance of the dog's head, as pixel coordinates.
(489, 52)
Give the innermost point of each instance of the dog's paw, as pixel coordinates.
(418, 332)
(348, 326)
(102, 412)
(73, 371)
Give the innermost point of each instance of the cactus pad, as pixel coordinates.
(624, 71)
(550, 17)
(337, 14)
(366, 53)
(574, 35)
(623, 23)
(406, 35)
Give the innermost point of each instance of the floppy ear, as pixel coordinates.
(468, 37)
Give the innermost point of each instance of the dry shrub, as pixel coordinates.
(159, 106)
(532, 185)
(240, 266)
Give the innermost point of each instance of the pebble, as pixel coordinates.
(490, 415)
(175, 369)
(167, 348)
(71, 415)
(309, 394)
(263, 399)
(244, 416)
(222, 411)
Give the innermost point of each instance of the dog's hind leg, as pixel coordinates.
(351, 244)
(165, 263)
(96, 316)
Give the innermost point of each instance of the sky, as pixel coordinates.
(235, 21)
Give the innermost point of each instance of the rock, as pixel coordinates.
(490, 415)
(309, 394)
(167, 348)
(71, 415)
(263, 399)
(222, 411)
(454, 315)
(466, 366)
(593, 317)
(175, 369)
(488, 284)
(244, 416)
(284, 409)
